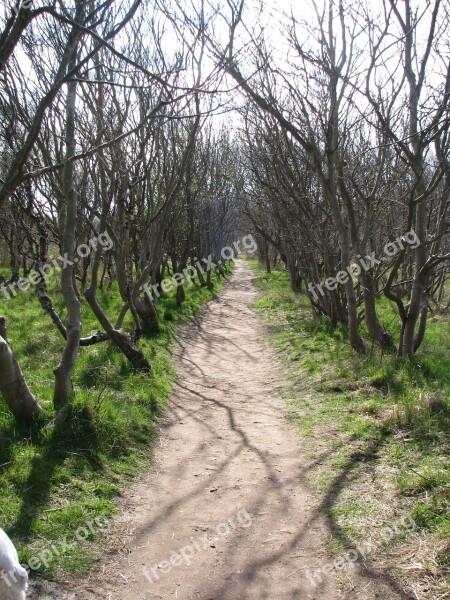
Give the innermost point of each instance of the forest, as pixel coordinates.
(195, 181)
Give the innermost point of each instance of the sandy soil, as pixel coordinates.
(224, 513)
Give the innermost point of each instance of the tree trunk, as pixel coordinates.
(146, 310)
(180, 295)
(64, 370)
(209, 283)
(377, 332)
(266, 255)
(13, 386)
(135, 356)
(294, 275)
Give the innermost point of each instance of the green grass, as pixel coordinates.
(56, 478)
(377, 426)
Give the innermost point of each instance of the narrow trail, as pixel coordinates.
(227, 451)
(225, 492)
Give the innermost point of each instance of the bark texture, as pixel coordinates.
(13, 386)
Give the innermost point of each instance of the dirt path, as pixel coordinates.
(225, 491)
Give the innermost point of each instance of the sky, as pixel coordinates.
(271, 19)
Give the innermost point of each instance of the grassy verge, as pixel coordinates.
(57, 480)
(377, 432)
